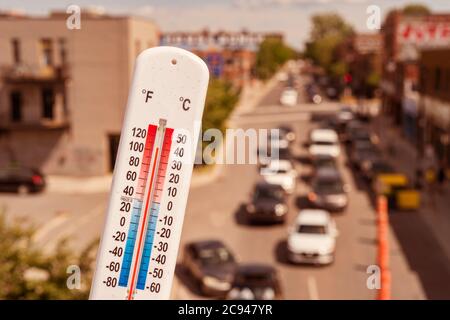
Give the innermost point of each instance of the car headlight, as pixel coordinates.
(290, 136)
(215, 283)
(280, 209)
(250, 208)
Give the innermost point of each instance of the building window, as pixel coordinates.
(16, 106)
(15, 43)
(47, 52)
(48, 103)
(62, 51)
(437, 80)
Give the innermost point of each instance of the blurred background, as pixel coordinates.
(360, 93)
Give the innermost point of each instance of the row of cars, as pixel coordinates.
(362, 145)
(311, 238)
(217, 274)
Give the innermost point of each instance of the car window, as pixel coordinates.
(269, 193)
(324, 143)
(312, 229)
(328, 186)
(215, 256)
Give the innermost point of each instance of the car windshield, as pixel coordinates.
(325, 162)
(311, 229)
(268, 193)
(324, 143)
(215, 256)
(329, 186)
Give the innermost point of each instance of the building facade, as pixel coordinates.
(229, 55)
(362, 53)
(404, 37)
(434, 107)
(63, 92)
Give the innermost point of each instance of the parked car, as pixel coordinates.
(328, 190)
(364, 153)
(212, 265)
(312, 238)
(370, 170)
(255, 282)
(268, 204)
(282, 173)
(324, 142)
(21, 180)
(322, 161)
(352, 127)
(289, 97)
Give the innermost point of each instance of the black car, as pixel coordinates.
(328, 190)
(364, 153)
(352, 130)
(370, 170)
(255, 282)
(267, 204)
(323, 161)
(21, 180)
(211, 264)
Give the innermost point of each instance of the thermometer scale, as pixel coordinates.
(138, 250)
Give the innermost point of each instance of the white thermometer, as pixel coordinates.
(138, 250)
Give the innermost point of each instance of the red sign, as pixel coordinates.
(425, 33)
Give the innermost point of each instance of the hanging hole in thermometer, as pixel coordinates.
(138, 250)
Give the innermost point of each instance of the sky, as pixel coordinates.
(292, 17)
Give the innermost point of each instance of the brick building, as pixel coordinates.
(63, 92)
(434, 106)
(404, 37)
(362, 52)
(229, 55)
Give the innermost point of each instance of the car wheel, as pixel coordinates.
(23, 189)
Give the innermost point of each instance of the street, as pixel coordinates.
(217, 218)
(213, 212)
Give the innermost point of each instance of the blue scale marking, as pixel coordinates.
(148, 245)
(129, 246)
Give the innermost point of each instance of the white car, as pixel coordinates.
(324, 142)
(312, 239)
(289, 97)
(280, 172)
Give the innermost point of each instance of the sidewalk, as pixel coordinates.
(424, 234)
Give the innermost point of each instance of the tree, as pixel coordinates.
(328, 33)
(27, 273)
(416, 9)
(272, 54)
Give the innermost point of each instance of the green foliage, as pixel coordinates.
(272, 54)
(416, 9)
(220, 102)
(328, 32)
(373, 79)
(338, 69)
(329, 24)
(26, 273)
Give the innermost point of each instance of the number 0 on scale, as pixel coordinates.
(138, 250)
